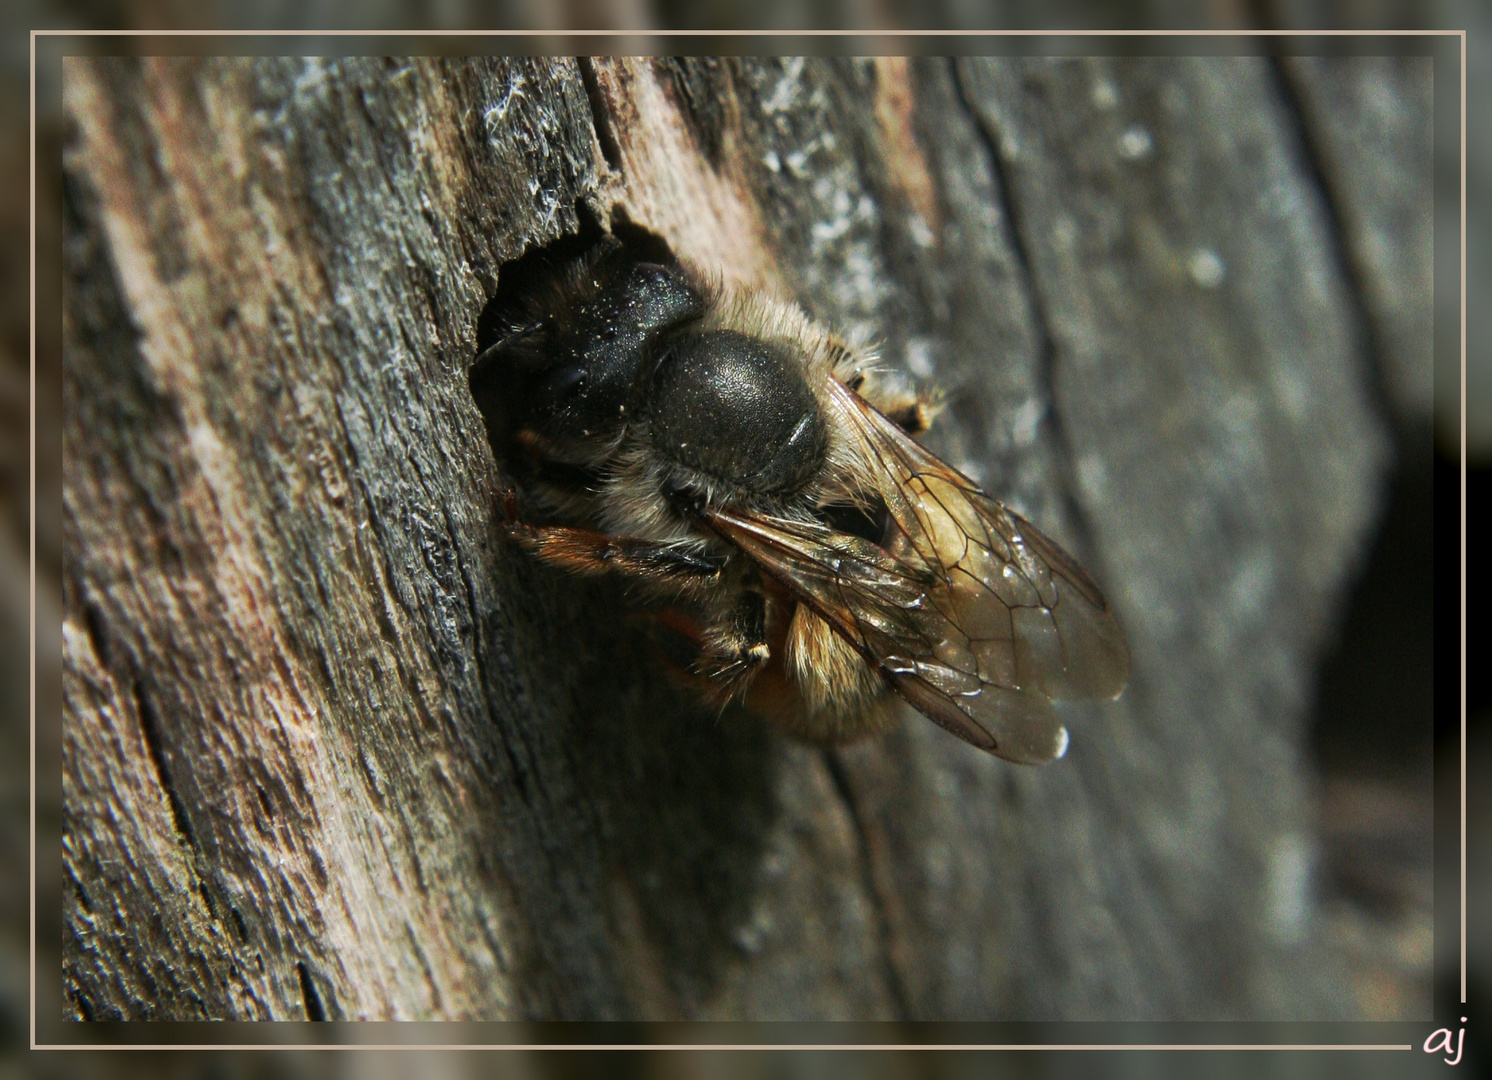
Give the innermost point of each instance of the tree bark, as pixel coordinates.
(332, 749)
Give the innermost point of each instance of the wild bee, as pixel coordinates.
(754, 475)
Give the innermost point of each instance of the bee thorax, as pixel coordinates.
(735, 409)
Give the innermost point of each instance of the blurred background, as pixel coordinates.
(1374, 706)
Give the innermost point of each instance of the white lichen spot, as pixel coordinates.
(1064, 232)
(1290, 391)
(1207, 268)
(772, 161)
(1287, 886)
(312, 77)
(920, 357)
(1250, 590)
(824, 232)
(1135, 143)
(828, 189)
(860, 287)
(785, 92)
(1105, 94)
(1027, 419)
(1093, 474)
(499, 111)
(922, 235)
(774, 864)
(751, 936)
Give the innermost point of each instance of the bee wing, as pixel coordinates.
(1065, 640)
(973, 615)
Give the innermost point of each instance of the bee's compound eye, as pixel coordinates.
(655, 297)
(738, 409)
(580, 383)
(562, 381)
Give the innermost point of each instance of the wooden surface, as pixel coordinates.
(332, 750)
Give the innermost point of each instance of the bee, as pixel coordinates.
(756, 477)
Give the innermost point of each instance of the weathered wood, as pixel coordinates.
(332, 749)
(1370, 119)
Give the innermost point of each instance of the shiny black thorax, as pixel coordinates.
(618, 349)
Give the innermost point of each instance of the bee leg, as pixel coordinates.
(734, 648)
(913, 413)
(582, 551)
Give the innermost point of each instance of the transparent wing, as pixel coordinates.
(973, 615)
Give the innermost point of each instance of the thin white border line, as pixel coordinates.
(1463, 517)
(740, 33)
(724, 1046)
(32, 422)
(869, 33)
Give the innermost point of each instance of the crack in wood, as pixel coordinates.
(895, 986)
(150, 729)
(310, 999)
(1046, 347)
(611, 151)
